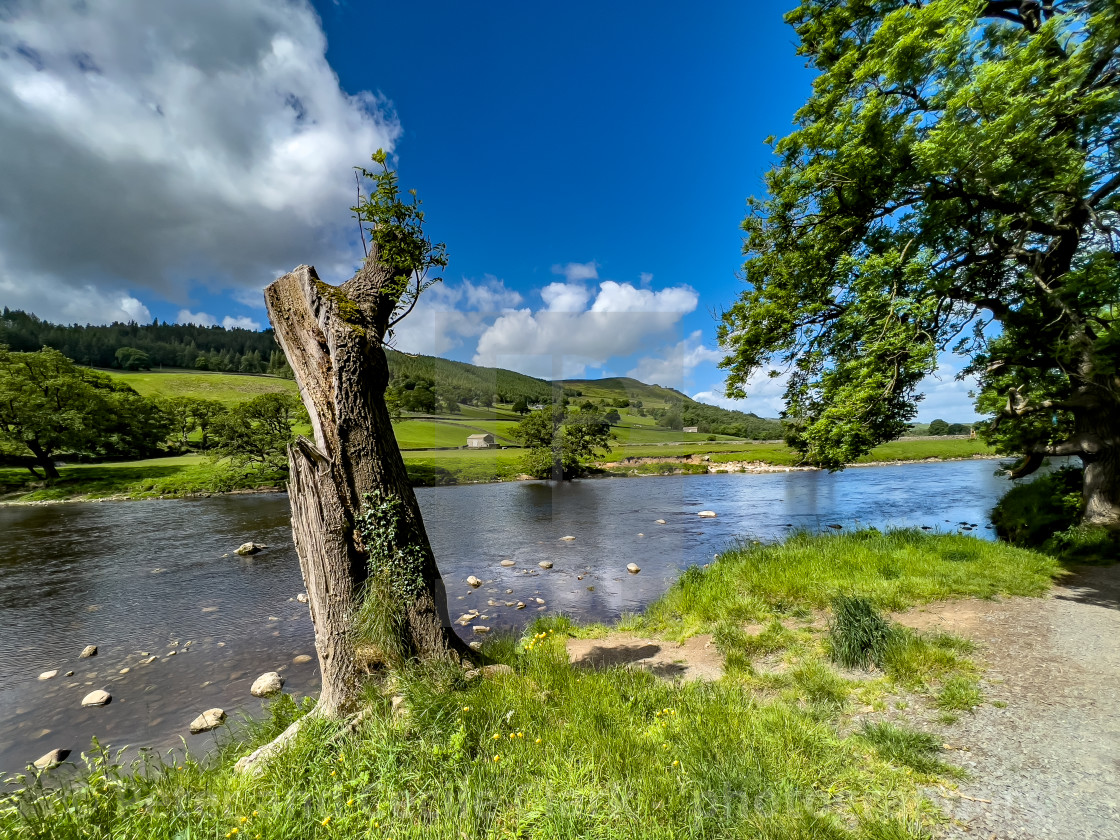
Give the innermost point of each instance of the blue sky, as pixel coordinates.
(587, 165)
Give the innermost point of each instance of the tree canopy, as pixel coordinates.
(49, 405)
(951, 183)
(561, 442)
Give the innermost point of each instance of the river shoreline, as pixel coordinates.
(713, 468)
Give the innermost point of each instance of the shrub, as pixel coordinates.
(859, 633)
(1031, 513)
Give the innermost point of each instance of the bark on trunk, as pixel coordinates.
(43, 460)
(332, 339)
(1101, 484)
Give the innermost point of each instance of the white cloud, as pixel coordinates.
(78, 304)
(764, 395)
(204, 142)
(449, 313)
(240, 323)
(645, 278)
(565, 297)
(620, 321)
(946, 396)
(674, 364)
(577, 272)
(200, 319)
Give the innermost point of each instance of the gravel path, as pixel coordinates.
(1047, 765)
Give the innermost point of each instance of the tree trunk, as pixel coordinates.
(43, 460)
(332, 339)
(1101, 456)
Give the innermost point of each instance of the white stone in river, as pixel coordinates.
(508, 563)
(249, 548)
(659, 521)
(545, 564)
(567, 539)
(303, 657)
(48, 675)
(633, 568)
(302, 597)
(210, 719)
(124, 670)
(88, 651)
(267, 684)
(480, 629)
(171, 653)
(521, 605)
(707, 514)
(474, 582)
(539, 600)
(97, 698)
(51, 759)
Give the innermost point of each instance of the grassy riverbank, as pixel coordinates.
(195, 474)
(785, 745)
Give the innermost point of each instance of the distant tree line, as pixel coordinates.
(135, 346)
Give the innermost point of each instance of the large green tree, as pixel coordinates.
(951, 183)
(561, 443)
(49, 405)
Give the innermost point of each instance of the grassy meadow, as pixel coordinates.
(429, 445)
(787, 744)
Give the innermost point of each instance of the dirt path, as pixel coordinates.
(1048, 763)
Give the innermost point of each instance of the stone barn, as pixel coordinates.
(485, 441)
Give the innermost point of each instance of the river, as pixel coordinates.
(156, 577)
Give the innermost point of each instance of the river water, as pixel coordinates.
(160, 578)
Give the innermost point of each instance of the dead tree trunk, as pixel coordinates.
(332, 337)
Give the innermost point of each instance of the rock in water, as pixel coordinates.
(508, 563)
(88, 651)
(97, 698)
(49, 675)
(267, 684)
(302, 597)
(250, 548)
(567, 539)
(480, 629)
(210, 719)
(299, 660)
(545, 564)
(51, 759)
(659, 521)
(521, 605)
(707, 514)
(633, 568)
(474, 582)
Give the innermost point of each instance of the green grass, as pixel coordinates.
(919, 450)
(229, 388)
(548, 751)
(183, 475)
(895, 570)
(961, 693)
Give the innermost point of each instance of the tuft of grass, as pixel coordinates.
(960, 694)
(907, 747)
(859, 634)
(915, 660)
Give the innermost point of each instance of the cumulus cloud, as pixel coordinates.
(449, 313)
(200, 319)
(645, 278)
(552, 343)
(565, 297)
(240, 323)
(75, 304)
(672, 366)
(151, 146)
(577, 272)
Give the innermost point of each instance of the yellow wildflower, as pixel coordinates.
(326, 821)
